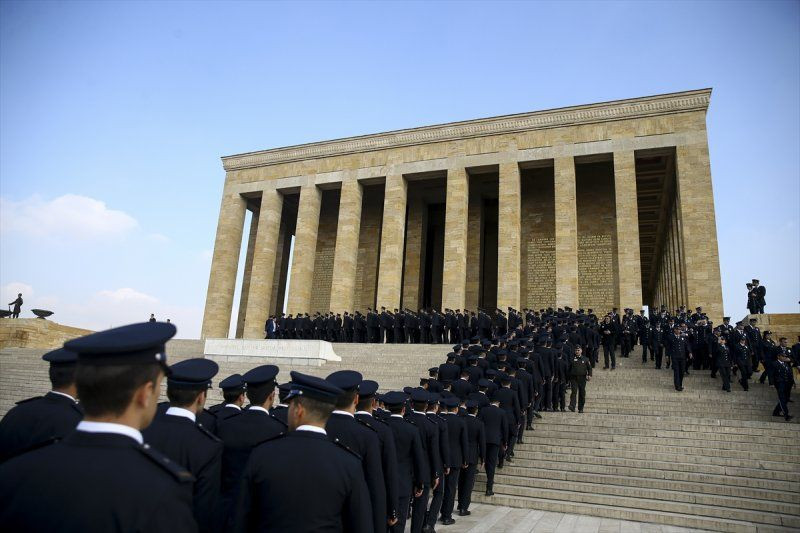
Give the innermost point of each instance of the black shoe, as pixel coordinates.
(562, 409)
(580, 411)
(777, 414)
(529, 428)
(572, 408)
(448, 521)
(464, 512)
(428, 529)
(605, 368)
(489, 492)
(613, 367)
(788, 417)
(537, 415)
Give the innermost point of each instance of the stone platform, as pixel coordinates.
(36, 333)
(279, 351)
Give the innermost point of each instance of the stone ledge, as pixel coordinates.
(36, 333)
(292, 352)
(632, 108)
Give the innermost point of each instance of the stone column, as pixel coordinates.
(628, 259)
(262, 271)
(699, 235)
(508, 236)
(222, 280)
(566, 210)
(390, 268)
(454, 278)
(345, 257)
(415, 226)
(248, 267)
(305, 249)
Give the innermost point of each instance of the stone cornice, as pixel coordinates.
(566, 116)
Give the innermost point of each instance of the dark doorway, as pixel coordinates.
(488, 292)
(434, 257)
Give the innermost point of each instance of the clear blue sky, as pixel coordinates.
(113, 117)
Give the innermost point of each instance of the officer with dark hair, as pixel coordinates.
(429, 435)
(42, 419)
(475, 455)
(457, 446)
(580, 371)
(305, 480)
(362, 439)
(188, 443)
(233, 396)
(496, 430)
(104, 463)
(244, 431)
(280, 411)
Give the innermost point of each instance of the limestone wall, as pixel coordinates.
(36, 333)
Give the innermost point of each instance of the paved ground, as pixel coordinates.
(496, 519)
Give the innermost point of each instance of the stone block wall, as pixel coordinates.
(538, 246)
(326, 245)
(36, 333)
(369, 245)
(597, 239)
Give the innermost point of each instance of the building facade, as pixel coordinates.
(593, 206)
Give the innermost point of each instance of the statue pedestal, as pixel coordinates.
(278, 351)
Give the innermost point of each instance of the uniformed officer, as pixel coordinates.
(429, 434)
(476, 453)
(362, 439)
(741, 356)
(580, 371)
(509, 402)
(457, 445)
(233, 395)
(179, 437)
(244, 431)
(102, 477)
(496, 430)
(677, 351)
(305, 480)
(367, 390)
(783, 384)
(412, 464)
(38, 421)
(281, 410)
(724, 361)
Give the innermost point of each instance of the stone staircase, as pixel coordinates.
(702, 458)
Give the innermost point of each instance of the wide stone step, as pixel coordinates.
(589, 423)
(535, 442)
(733, 486)
(750, 469)
(626, 513)
(729, 441)
(755, 501)
(646, 504)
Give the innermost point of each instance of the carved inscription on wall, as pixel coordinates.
(541, 279)
(323, 276)
(596, 271)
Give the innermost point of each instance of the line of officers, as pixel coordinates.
(325, 455)
(401, 326)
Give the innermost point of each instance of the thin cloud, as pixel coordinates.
(70, 215)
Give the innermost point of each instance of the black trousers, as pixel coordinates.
(608, 350)
(418, 510)
(725, 374)
(466, 482)
(745, 373)
(547, 392)
(784, 389)
(450, 489)
(579, 390)
(678, 370)
(493, 453)
(561, 396)
(658, 350)
(436, 503)
(402, 514)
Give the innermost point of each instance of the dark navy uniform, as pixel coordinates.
(189, 444)
(367, 390)
(101, 477)
(37, 421)
(457, 434)
(412, 471)
(476, 452)
(364, 441)
(677, 351)
(429, 434)
(496, 431)
(304, 481)
(241, 433)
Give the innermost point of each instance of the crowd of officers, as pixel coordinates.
(318, 454)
